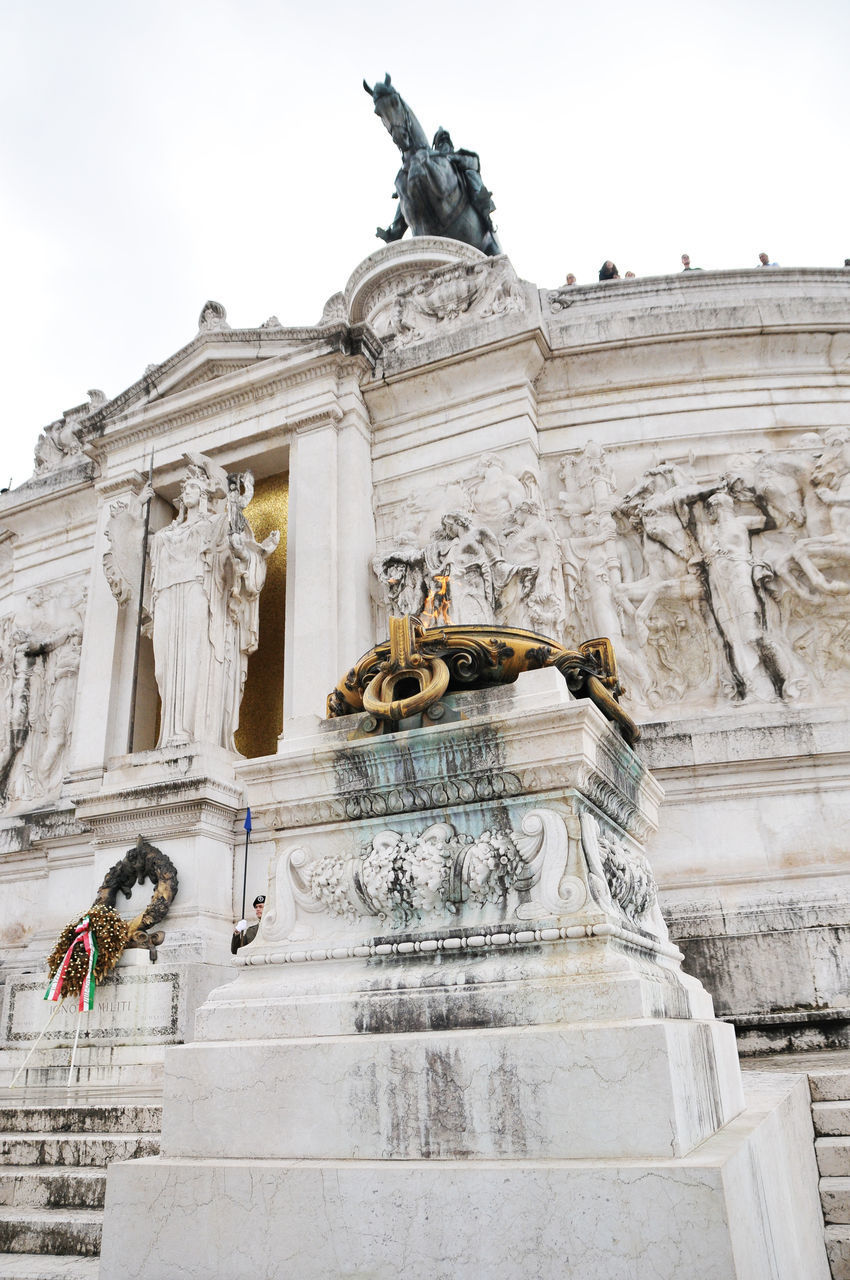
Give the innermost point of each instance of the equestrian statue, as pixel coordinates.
(439, 188)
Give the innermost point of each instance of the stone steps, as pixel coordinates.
(97, 1149)
(53, 1162)
(829, 1085)
(42, 1187)
(80, 1119)
(50, 1231)
(831, 1117)
(39, 1266)
(830, 1090)
(835, 1198)
(838, 1251)
(833, 1157)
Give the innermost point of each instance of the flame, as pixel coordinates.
(436, 610)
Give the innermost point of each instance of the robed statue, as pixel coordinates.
(206, 574)
(439, 187)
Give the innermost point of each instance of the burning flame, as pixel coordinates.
(436, 611)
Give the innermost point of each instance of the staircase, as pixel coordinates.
(53, 1158)
(830, 1089)
(829, 1086)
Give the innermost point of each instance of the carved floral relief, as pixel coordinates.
(553, 866)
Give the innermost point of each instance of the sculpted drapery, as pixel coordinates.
(206, 579)
(206, 574)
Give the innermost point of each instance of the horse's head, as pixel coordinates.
(400, 122)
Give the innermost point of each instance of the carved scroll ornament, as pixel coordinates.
(550, 868)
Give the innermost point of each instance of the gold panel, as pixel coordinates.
(261, 714)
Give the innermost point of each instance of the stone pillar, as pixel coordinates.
(329, 545)
(103, 691)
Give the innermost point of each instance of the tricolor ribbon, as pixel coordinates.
(83, 933)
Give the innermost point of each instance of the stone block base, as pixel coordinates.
(743, 1206)
(642, 1088)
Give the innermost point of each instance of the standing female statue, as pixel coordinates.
(207, 572)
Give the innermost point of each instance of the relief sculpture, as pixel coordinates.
(554, 865)
(40, 646)
(719, 580)
(492, 559)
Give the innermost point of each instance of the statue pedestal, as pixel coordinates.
(462, 1043)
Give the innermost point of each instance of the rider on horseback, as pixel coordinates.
(439, 188)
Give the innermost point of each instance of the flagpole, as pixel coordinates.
(37, 1043)
(245, 872)
(131, 730)
(74, 1050)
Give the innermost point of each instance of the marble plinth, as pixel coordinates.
(615, 1090)
(743, 1206)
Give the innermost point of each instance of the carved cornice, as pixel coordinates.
(329, 417)
(145, 421)
(130, 481)
(171, 807)
(255, 338)
(203, 817)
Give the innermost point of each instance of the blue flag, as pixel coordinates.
(247, 822)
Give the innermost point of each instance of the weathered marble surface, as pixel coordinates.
(617, 1091)
(744, 1206)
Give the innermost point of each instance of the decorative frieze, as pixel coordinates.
(555, 864)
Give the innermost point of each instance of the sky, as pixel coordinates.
(155, 155)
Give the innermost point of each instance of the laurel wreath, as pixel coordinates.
(110, 934)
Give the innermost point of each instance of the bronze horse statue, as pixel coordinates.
(439, 189)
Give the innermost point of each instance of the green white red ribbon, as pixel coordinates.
(82, 934)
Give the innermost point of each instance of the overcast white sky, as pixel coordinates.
(158, 154)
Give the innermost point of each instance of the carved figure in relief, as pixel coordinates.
(468, 558)
(42, 645)
(402, 574)
(122, 563)
(828, 551)
(213, 317)
(531, 544)
(240, 491)
(733, 578)
(205, 580)
(58, 443)
(494, 493)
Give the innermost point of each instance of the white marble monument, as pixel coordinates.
(462, 1043)
(663, 462)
